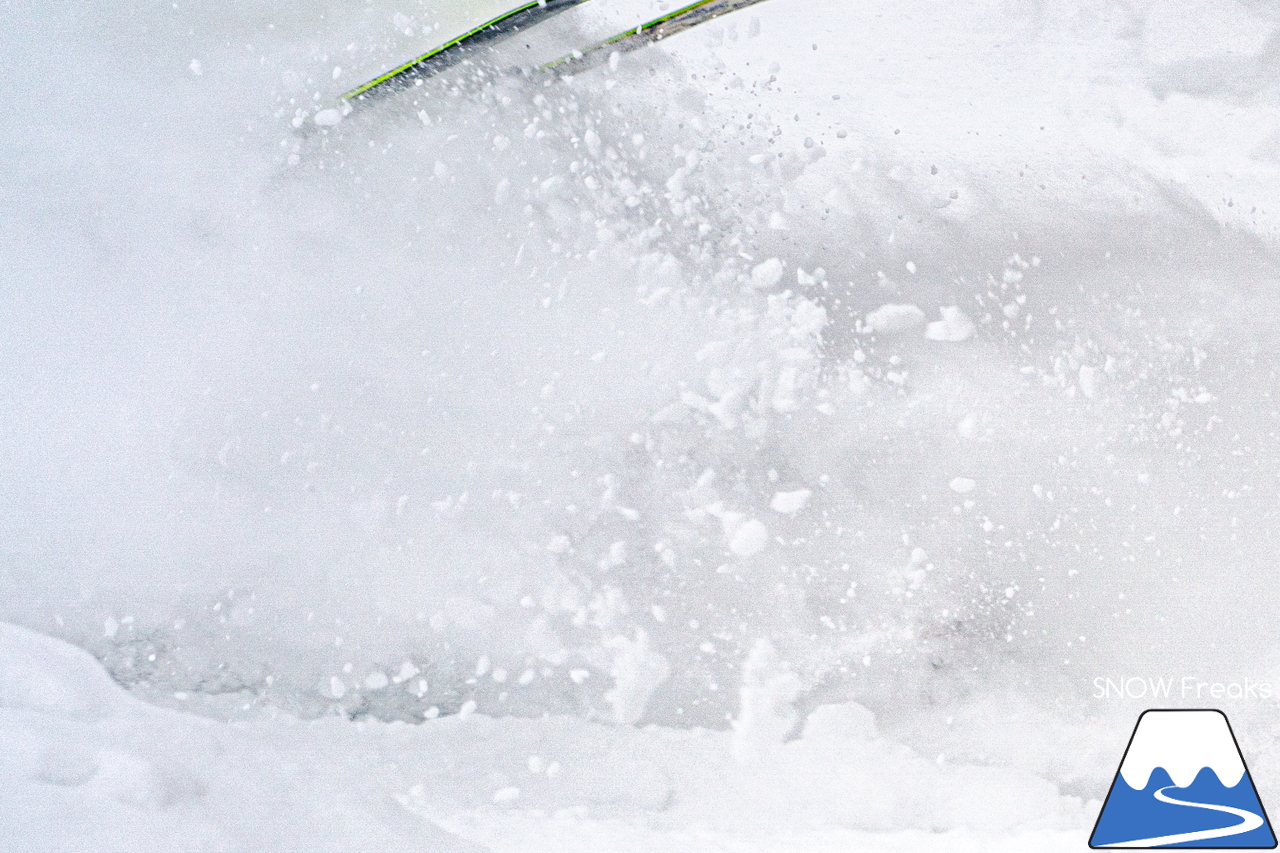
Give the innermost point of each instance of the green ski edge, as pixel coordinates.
(654, 31)
(449, 53)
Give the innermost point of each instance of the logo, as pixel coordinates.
(1183, 783)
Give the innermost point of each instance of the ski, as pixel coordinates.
(654, 31)
(454, 51)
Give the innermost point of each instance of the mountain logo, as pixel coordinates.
(1183, 783)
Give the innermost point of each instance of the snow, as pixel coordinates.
(89, 767)
(894, 318)
(634, 422)
(790, 503)
(328, 118)
(637, 672)
(769, 273)
(953, 327)
(748, 538)
(97, 767)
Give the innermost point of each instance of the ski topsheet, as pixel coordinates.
(654, 31)
(530, 14)
(454, 51)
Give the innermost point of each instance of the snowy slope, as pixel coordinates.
(88, 767)
(914, 357)
(93, 768)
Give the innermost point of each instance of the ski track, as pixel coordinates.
(1248, 821)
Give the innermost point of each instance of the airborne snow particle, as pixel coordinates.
(407, 671)
(804, 279)
(767, 274)
(749, 539)
(1088, 380)
(766, 713)
(789, 503)
(953, 327)
(962, 485)
(637, 671)
(893, 318)
(328, 118)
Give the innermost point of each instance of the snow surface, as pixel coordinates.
(380, 455)
(89, 767)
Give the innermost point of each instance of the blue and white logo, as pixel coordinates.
(1183, 783)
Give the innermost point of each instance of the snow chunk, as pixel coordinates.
(893, 318)
(807, 318)
(953, 327)
(962, 485)
(750, 538)
(403, 23)
(637, 672)
(789, 503)
(506, 795)
(805, 279)
(1089, 380)
(407, 671)
(767, 274)
(328, 118)
(765, 715)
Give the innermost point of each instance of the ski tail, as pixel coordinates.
(454, 51)
(656, 30)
